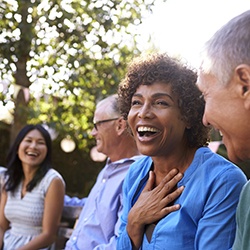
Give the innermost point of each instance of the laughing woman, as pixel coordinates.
(164, 109)
(32, 198)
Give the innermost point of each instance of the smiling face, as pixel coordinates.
(106, 134)
(226, 112)
(155, 120)
(32, 149)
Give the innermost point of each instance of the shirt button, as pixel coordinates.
(103, 180)
(74, 238)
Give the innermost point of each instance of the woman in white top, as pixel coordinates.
(32, 198)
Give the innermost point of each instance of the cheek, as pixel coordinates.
(20, 149)
(19, 154)
(210, 107)
(44, 152)
(130, 118)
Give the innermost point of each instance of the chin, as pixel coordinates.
(144, 150)
(234, 157)
(238, 152)
(99, 149)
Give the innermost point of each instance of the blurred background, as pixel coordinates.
(58, 58)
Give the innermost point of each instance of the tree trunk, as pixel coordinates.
(20, 112)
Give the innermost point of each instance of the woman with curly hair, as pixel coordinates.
(181, 195)
(33, 194)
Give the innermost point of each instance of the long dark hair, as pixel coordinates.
(14, 170)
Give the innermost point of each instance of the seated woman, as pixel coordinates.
(181, 195)
(32, 197)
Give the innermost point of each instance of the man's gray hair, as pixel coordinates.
(228, 48)
(113, 108)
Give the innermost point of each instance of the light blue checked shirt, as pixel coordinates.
(98, 224)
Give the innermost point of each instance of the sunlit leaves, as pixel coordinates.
(69, 53)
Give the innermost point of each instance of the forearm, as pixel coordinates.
(41, 241)
(135, 230)
(1, 237)
(135, 235)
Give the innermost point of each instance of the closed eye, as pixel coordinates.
(27, 140)
(41, 142)
(202, 97)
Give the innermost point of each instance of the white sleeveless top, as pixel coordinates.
(26, 214)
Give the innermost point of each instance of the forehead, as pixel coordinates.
(34, 133)
(205, 81)
(103, 109)
(157, 87)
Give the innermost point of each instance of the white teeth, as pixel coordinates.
(32, 153)
(147, 129)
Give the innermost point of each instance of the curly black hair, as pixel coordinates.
(147, 70)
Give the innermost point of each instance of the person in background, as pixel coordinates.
(224, 79)
(2, 174)
(98, 223)
(32, 197)
(162, 210)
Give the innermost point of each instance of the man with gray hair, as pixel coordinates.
(98, 224)
(224, 79)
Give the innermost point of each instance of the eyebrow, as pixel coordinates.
(156, 95)
(30, 137)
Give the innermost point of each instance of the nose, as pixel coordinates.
(205, 121)
(93, 132)
(33, 144)
(145, 111)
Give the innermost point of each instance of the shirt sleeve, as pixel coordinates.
(111, 245)
(48, 178)
(74, 201)
(242, 239)
(216, 228)
(131, 191)
(124, 242)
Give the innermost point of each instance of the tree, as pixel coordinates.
(58, 57)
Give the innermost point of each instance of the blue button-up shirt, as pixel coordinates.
(206, 219)
(98, 224)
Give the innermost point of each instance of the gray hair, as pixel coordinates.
(228, 48)
(113, 108)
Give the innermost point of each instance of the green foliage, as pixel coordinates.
(69, 54)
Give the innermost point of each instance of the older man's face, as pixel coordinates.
(224, 110)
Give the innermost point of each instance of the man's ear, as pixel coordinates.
(243, 78)
(121, 125)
